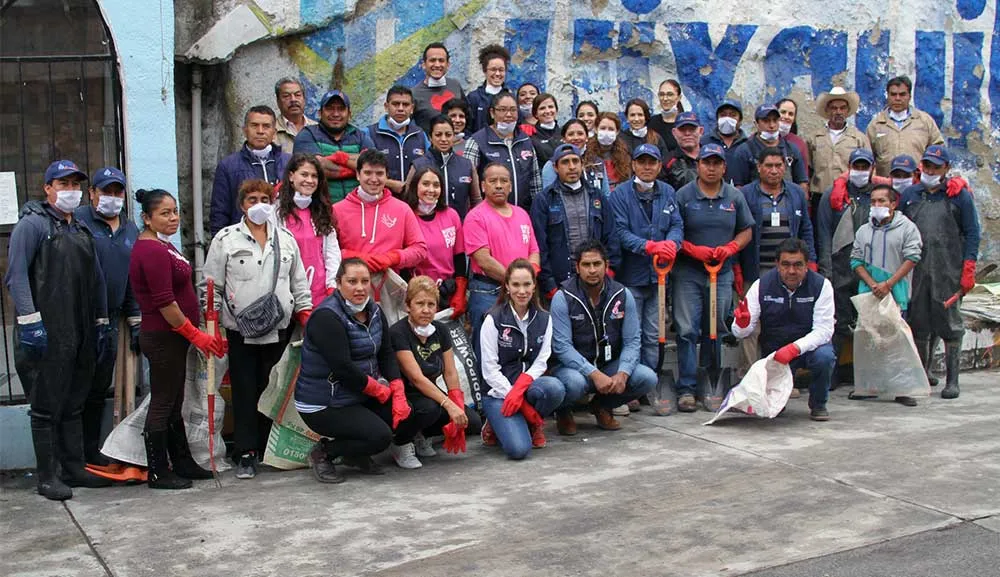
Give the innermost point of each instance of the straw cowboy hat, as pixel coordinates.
(837, 93)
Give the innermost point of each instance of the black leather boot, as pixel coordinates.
(183, 463)
(50, 485)
(952, 363)
(74, 472)
(160, 475)
(926, 353)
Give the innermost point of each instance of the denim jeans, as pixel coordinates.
(641, 381)
(647, 306)
(820, 363)
(689, 291)
(545, 394)
(482, 297)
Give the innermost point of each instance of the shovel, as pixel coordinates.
(663, 399)
(714, 393)
(979, 276)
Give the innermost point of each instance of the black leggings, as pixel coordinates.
(428, 417)
(249, 371)
(167, 354)
(354, 431)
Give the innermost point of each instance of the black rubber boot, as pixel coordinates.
(160, 475)
(183, 463)
(926, 353)
(74, 472)
(952, 362)
(50, 485)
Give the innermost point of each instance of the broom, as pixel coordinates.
(211, 323)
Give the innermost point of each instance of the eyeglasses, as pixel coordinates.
(506, 109)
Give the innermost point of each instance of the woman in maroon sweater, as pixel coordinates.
(161, 281)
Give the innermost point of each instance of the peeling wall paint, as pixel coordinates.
(613, 50)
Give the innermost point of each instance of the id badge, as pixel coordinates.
(607, 353)
(775, 219)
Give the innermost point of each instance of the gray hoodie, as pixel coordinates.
(883, 248)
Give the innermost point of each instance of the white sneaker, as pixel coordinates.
(621, 411)
(404, 456)
(424, 446)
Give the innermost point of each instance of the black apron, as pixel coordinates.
(844, 281)
(938, 275)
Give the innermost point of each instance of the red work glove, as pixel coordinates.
(340, 157)
(738, 279)
(667, 250)
(651, 246)
(531, 416)
(206, 343)
(698, 252)
(955, 186)
(400, 406)
(377, 391)
(537, 267)
(528, 129)
(742, 314)
(968, 275)
(725, 251)
(459, 301)
(343, 172)
(514, 400)
(302, 317)
(611, 273)
(330, 290)
(787, 353)
(454, 439)
(813, 266)
(457, 397)
(551, 293)
(839, 198)
(381, 262)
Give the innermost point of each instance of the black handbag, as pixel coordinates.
(263, 315)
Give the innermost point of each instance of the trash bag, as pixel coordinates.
(465, 361)
(290, 439)
(763, 391)
(125, 443)
(390, 293)
(886, 363)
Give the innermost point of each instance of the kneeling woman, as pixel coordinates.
(516, 340)
(349, 389)
(423, 349)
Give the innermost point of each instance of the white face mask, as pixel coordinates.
(899, 116)
(436, 82)
(727, 125)
(262, 153)
(784, 128)
(68, 200)
(642, 183)
(606, 137)
(260, 213)
(859, 178)
(573, 185)
(900, 184)
(548, 125)
(879, 213)
(639, 132)
(163, 237)
(493, 90)
(928, 180)
(769, 136)
(368, 197)
(110, 206)
(424, 331)
(301, 200)
(426, 208)
(506, 127)
(356, 308)
(670, 111)
(397, 125)
(525, 109)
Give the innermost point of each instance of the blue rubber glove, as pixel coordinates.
(34, 338)
(133, 327)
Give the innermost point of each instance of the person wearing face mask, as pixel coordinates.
(637, 114)
(681, 167)
(259, 158)
(900, 128)
(546, 137)
(494, 60)
(505, 142)
(945, 213)
(663, 123)
(575, 132)
(423, 351)
(841, 212)
(349, 389)
(607, 148)
(789, 129)
(460, 177)
(830, 146)
(886, 249)
(565, 216)
(114, 236)
(727, 132)
(442, 230)
(161, 279)
(526, 94)
(903, 173)
(436, 88)
(400, 139)
(309, 217)
(292, 117)
(56, 283)
(743, 169)
(247, 261)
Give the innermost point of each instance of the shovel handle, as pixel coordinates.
(210, 328)
(952, 300)
(713, 292)
(662, 267)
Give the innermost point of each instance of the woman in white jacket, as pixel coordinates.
(241, 260)
(309, 217)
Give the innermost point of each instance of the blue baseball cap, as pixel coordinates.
(937, 154)
(708, 150)
(330, 95)
(861, 154)
(686, 119)
(904, 163)
(730, 103)
(107, 175)
(62, 169)
(765, 110)
(647, 150)
(564, 150)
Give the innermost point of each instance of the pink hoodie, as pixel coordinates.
(379, 227)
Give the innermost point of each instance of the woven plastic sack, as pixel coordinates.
(886, 363)
(290, 439)
(763, 391)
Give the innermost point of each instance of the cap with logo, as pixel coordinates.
(904, 163)
(646, 150)
(62, 169)
(937, 154)
(330, 95)
(730, 103)
(765, 110)
(861, 154)
(686, 119)
(709, 150)
(107, 175)
(564, 150)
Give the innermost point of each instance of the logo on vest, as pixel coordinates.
(465, 179)
(616, 312)
(728, 207)
(449, 236)
(527, 154)
(505, 340)
(597, 203)
(771, 299)
(525, 233)
(388, 221)
(804, 299)
(384, 151)
(493, 154)
(418, 152)
(578, 317)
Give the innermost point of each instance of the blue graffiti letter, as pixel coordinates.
(707, 74)
(802, 50)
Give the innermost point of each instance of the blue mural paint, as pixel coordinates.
(633, 66)
(530, 38)
(967, 59)
(995, 75)
(315, 12)
(707, 74)
(802, 50)
(640, 6)
(417, 15)
(928, 90)
(594, 74)
(871, 71)
(970, 9)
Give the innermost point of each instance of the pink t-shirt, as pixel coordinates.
(508, 238)
(311, 249)
(443, 235)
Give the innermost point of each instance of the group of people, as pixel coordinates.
(553, 240)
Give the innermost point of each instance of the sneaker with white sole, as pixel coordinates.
(621, 411)
(405, 456)
(424, 446)
(246, 467)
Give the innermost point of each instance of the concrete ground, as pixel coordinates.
(880, 490)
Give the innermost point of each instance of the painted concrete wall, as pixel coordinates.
(613, 50)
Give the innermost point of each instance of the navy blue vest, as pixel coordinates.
(595, 327)
(519, 158)
(785, 318)
(515, 350)
(313, 385)
(457, 174)
(400, 154)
